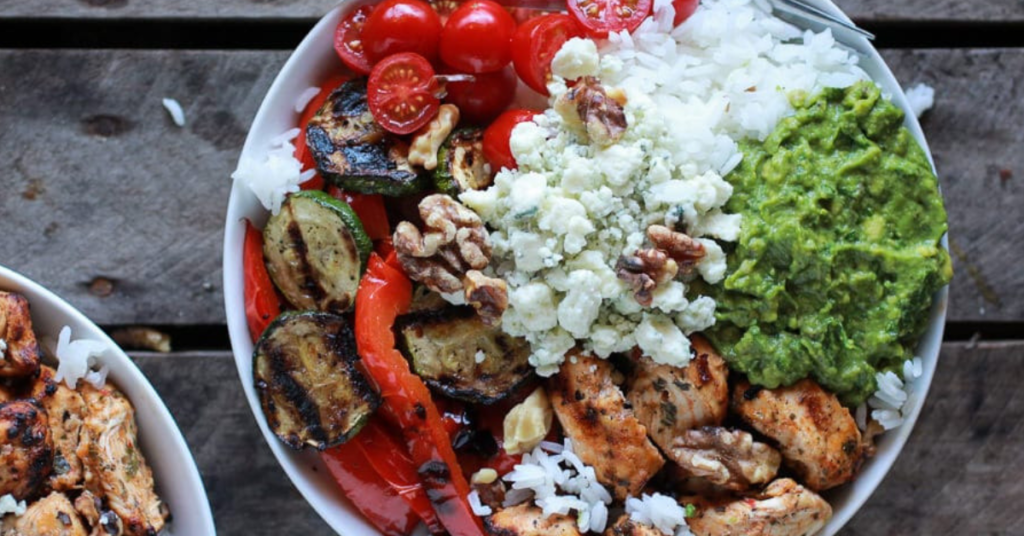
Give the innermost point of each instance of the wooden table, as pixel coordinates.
(106, 202)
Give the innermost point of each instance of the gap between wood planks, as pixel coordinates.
(215, 337)
(20, 33)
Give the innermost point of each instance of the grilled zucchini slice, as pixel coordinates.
(315, 249)
(353, 152)
(461, 164)
(310, 380)
(443, 347)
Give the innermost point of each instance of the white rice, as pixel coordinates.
(921, 98)
(8, 505)
(659, 511)
(559, 483)
(895, 396)
(278, 174)
(478, 507)
(305, 97)
(177, 113)
(77, 360)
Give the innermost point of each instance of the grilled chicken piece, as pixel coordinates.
(604, 433)
(727, 458)
(26, 449)
(627, 527)
(785, 508)
(103, 521)
(526, 520)
(114, 469)
(817, 436)
(19, 353)
(670, 400)
(50, 516)
(66, 410)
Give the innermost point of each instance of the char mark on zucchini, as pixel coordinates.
(310, 380)
(353, 152)
(315, 249)
(459, 356)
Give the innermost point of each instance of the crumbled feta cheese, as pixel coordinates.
(577, 58)
(479, 356)
(662, 340)
(10, 505)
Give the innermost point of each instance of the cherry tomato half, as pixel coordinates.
(684, 10)
(496, 148)
(485, 97)
(348, 40)
(402, 93)
(536, 42)
(478, 37)
(402, 26)
(598, 17)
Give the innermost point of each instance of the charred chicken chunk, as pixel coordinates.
(817, 436)
(526, 520)
(114, 468)
(19, 353)
(669, 400)
(727, 458)
(26, 449)
(66, 411)
(588, 109)
(604, 432)
(785, 508)
(51, 516)
(627, 527)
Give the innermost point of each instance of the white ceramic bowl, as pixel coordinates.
(310, 65)
(174, 470)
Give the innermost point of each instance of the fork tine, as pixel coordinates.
(800, 8)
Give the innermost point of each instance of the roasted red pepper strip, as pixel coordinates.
(369, 208)
(391, 461)
(371, 495)
(262, 305)
(384, 293)
(302, 153)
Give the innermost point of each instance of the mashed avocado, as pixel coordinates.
(839, 254)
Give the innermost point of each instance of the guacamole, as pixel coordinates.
(839, 255)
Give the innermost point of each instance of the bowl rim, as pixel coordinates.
(301, 468)
(160, 428)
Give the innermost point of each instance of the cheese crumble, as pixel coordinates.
(572, 209)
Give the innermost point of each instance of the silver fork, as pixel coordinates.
(804, 11)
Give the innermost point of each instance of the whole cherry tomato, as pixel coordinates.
(402, 93)
(402, 26)
(485, 97)
(684, 9)
(598, 17)
(537, 41)
(496, 148)
(348, 40)
(478, 37)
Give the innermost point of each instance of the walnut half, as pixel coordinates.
(644, 271)
(448, 254)
(428, 140)
(686, 251)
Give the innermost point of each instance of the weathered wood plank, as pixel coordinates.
(98, 182)
(865, 10)
(956, 475)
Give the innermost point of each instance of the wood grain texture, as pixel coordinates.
(957, 475)
(100, 185)
(865, 10)
(98, 182)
